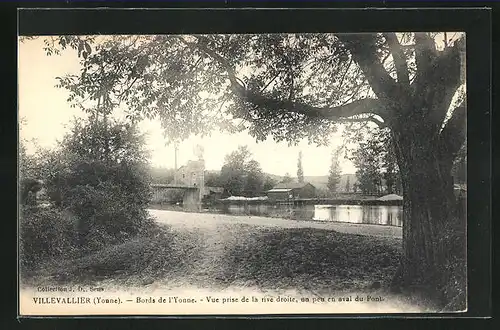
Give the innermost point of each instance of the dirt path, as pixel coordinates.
(192, 221)
(213, 243)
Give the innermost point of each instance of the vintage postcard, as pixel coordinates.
(202, 174)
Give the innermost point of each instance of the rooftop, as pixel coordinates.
(279, 190)
(290, 185)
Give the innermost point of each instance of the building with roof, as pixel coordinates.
(191, 178)
(291, 190)
(191, 174)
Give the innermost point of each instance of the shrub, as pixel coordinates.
(108, 214)
(45, 234)
(105, 182)
(98, 177)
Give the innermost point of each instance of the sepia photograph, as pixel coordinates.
(269, 173)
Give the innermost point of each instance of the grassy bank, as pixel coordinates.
(238, 255)
(312, 259)
(137, 261)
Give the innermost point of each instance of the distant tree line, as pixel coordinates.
(377, 170)
(162, 175)
(241, 175)
(459, 169)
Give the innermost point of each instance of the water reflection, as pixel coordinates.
(366, 214)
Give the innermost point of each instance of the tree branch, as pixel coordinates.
(270, 81)
(453, 134)
(345, 72)
(201, 45)
(364, 106)
(438, 80)
(363, 49)
(127, 88)
(399, 58)
(374, 120)
(425, 54)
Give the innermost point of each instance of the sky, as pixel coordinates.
(47, 116)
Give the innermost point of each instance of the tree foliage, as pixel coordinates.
(33, 169)
(269, 183)
(106, 140)
(254, 178)
(275, 83)
(162, 175)
(213, 179)
(300, 171)
(240, 174)
(377, 170)
(286, 178)
(334, 173)
(348, 185)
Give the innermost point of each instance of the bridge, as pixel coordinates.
(191, 198)
(173, 186)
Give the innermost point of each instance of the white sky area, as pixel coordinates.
(47, 115)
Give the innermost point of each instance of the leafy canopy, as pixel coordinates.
(288, 86)
(240, 174)
(191, 82)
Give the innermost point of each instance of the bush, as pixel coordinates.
(45, 234)
(108, 191)
(98, 177)
(108, 214)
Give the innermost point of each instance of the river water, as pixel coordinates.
(367, 214)
(361, 214)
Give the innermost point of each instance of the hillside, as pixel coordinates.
(163, 175)
(320, 182)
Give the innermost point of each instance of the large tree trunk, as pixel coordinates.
(434, 239)
(434, 236)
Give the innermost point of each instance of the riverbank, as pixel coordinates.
(237, 257)
(341, 199)
(176, 215)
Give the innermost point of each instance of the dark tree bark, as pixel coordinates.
(434, 238)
